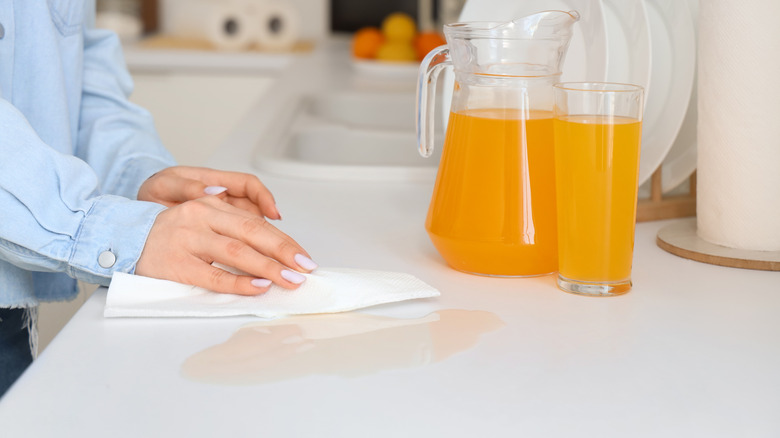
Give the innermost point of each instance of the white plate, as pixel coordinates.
(629, 57)
(586, 59)
(628, 39)
(680, 162)
(673, 47)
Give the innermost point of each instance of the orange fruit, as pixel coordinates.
(399, 27)
(427, 41)
(366, 42)
(396, 51)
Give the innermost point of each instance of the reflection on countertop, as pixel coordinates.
(345, 344)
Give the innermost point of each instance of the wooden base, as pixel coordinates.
(667, 208)
(658, 207)
(681, 239)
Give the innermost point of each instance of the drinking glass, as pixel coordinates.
(597, 136)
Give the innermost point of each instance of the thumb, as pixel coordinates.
(213, 190)
(181, 189)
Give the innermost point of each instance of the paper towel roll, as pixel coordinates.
(277, 24)
(226, 25)
(738, 190)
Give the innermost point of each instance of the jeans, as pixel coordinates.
(15, 353)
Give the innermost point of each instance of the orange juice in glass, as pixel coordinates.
(598, 130)
(493, 207)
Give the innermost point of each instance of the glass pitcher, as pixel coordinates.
(493, 206)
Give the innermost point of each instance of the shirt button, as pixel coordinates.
(106, 259)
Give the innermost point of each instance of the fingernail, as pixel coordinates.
(261, 282)
(305, 262)
(293, 277)
(278, 215)
(214, 190)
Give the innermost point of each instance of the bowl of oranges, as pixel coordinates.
(397, 47)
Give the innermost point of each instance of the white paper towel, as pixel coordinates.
(277, 24)
(225, 24)
(324, 291)
(738, 189)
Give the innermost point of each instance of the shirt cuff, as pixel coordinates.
(111, 238)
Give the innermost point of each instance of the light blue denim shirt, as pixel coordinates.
(73, 153)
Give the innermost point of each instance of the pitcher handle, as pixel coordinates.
(430, 67)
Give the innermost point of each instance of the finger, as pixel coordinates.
(258, 193)
(227, 208)
(264, 238)
(244, 204)
(240, 185)
(193, 189)
(193, 270)
(154, 190)
(173, 189)
(219, 280)
(237, 254)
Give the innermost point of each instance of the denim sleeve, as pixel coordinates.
(54, 216)
(116, 137)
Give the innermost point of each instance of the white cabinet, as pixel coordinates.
(195, 111)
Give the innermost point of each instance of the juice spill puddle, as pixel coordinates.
(345, 344)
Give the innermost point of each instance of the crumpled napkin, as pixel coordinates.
(324, 291)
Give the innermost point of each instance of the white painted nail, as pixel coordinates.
(214, 190)
(305, 262)
(293, 277)
(261, 282)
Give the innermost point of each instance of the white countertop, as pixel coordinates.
(139, 58)
(692, 350)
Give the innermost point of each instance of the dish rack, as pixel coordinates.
(664, 206)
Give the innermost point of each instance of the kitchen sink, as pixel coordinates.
(340, 145)
(346, 135)
(365, 109)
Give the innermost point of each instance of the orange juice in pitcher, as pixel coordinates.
(493, 209)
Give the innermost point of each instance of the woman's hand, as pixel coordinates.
(187, 237)
(178, 184)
